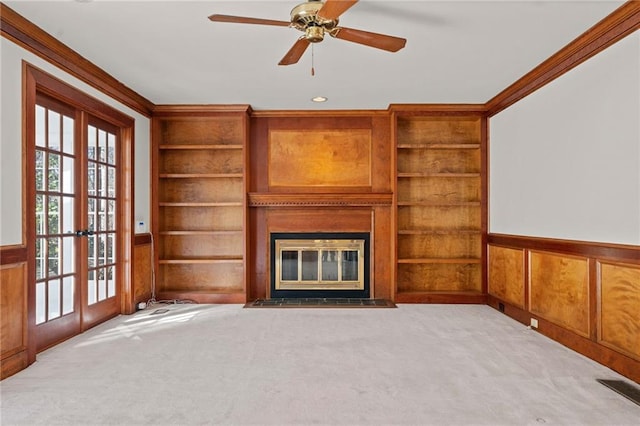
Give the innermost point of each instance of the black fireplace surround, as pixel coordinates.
(320, 293)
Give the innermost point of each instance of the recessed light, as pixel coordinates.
(320, 99)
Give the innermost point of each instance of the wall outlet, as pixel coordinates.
(534, 323)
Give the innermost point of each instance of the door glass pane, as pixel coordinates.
(102, 249)
(68, 294)
(41, 139)
(68, 255)
(111, 281)
(329, 265)
(111, 215)
(102, 145)
(40, 175)
(53, 175)
(67, 134)
(54, 299)
(92, 287)
(91, 142)
(40, 214)
(68, 215)
(102, 284)
(102, 180)
(54, 130)
(111, 182)
(40, 303)
(310, 265)
(102, 215)
(92, 185)
(41, 256)
(111, 157)
(91, 250)
(53, 254)
(111, 248)
(68, 180)
(53, 217)
(91, 212)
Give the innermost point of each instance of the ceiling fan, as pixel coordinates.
(316, 18)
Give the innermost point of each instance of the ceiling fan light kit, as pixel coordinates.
(314, 18)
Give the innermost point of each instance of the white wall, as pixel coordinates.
(565, 160)
(11, 140)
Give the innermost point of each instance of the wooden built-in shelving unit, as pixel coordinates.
(201, 204)
(438, 205)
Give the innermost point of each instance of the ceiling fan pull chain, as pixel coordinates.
(313, 70)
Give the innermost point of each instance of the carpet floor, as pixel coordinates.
(222, 364)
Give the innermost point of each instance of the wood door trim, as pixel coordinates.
(24, 33)
(617, 25)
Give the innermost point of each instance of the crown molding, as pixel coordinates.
(617, 25)
(24, 33)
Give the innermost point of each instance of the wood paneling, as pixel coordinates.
(142, 274)
(13, 318)
(439, 277)
(326, 158)
(507, 275)
(200, 201)
(585, 295)
(204, 218)
(559, 290)
(619, 308)
(439, 130)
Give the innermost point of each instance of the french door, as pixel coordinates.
(77, 221)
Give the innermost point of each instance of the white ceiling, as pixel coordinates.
(456, 52)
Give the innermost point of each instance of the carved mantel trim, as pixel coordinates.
(319, 200)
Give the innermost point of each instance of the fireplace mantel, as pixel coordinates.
(319, 199)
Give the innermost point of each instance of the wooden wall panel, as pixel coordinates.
(13, 318)
(439, 277)
(142, 275)
(619, 307)
(507, 275)
(325, 158)
(559, 290)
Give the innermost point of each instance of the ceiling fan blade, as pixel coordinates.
(379, 41)
(332, 9)
(245, 20)
(295, 53)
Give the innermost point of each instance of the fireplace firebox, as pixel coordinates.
(320, 265)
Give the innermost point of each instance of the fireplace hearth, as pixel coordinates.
(320, 265)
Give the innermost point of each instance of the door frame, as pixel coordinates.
(34, 81)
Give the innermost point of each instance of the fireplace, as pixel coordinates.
(317, 265)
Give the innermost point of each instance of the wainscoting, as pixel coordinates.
(583, 295)
(13, 310)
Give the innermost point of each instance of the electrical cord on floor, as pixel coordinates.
(153, 301)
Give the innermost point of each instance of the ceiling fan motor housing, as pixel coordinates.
(304, 17)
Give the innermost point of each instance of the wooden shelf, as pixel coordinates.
(437, 204)
(216, 259)
(199, 175)
(207, 204)
(456, 175)
(439, 229)
(201, 198)
(474, 260)
(205, 233)
(438, 146)
(207, 147)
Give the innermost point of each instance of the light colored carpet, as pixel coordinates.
(221, 364)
